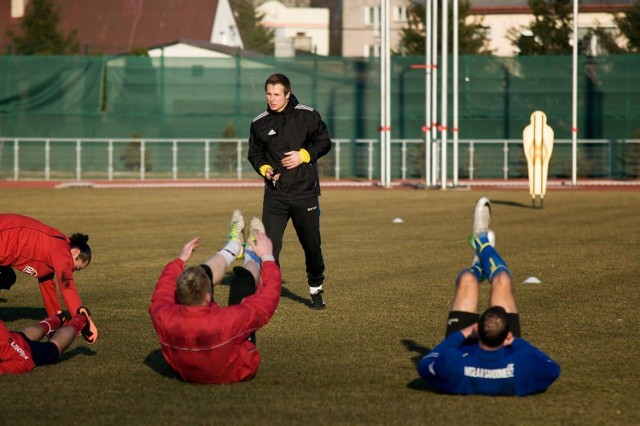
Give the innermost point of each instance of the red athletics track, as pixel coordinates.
(552, 185)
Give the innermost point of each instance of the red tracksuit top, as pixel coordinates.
(34, 248)
(208, 344)
(15, 354)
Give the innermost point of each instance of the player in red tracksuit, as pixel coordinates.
(30, 246)
(22, 351)
(202, 341)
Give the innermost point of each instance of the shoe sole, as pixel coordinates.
(255, 225)
(241, 233)
(481, 204)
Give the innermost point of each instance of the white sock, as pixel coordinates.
(230, 251)
(315, 290)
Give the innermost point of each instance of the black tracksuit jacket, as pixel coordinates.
(274, 133)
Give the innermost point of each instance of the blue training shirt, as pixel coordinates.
(518, 369)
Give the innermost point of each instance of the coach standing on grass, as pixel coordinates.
(285, 143)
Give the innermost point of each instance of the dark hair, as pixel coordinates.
(79, 241)
(278, 79)
(493, 326)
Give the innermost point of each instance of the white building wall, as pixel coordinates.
(499, 26)
(361, 26)
(225, 30)
(181, 50)
(289, 22)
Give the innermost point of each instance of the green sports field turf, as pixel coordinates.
(388, 291)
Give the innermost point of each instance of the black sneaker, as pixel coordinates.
(316, 301)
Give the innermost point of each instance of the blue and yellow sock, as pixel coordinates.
(490, 260)
(476, 270)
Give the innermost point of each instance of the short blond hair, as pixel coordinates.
(192, 286)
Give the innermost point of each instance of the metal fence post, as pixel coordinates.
(16, 156)
(403, 168)
(505, 160)
(78, 159)
(370, 165)
(110, 160)
(471, 154)
(239, 159)
(337, 157)
(47, 159)
(174, 167)
(207, 153)
(143, 166)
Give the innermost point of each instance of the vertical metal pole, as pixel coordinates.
(387, 75)
(337, 157)
(428, 28)
(434, 95)
(239, 159)
(47, 159)
(443, 114)
(110, 160)
(207, 152)
(383, 91)
(454, 129)
(574, 99)
(143, 166)
(174, 167)
(385, 98)
(16, 159)
(78, 160)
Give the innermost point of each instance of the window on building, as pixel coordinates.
(17, 8)
(371, 50)
(400, 14)
(371, 15)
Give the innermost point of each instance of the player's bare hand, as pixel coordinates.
(291, 159)
(189, 248)
(262, 246)
(273, 174)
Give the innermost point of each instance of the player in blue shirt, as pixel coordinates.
(485, 355)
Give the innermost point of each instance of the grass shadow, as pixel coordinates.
(286, 293)
(295, 297)
(510, 204)
(80, 350)
(157, 363)
(413, 346)
(9, 314)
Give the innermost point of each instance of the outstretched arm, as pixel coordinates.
(189, 248)
(49, 295)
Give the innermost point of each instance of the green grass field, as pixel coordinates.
(388, 291)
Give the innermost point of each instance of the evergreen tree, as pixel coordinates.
(550, 31)
(472, 38)
(254, 35)
(40, 32)
(629, 25)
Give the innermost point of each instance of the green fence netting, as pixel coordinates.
(119, 97)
